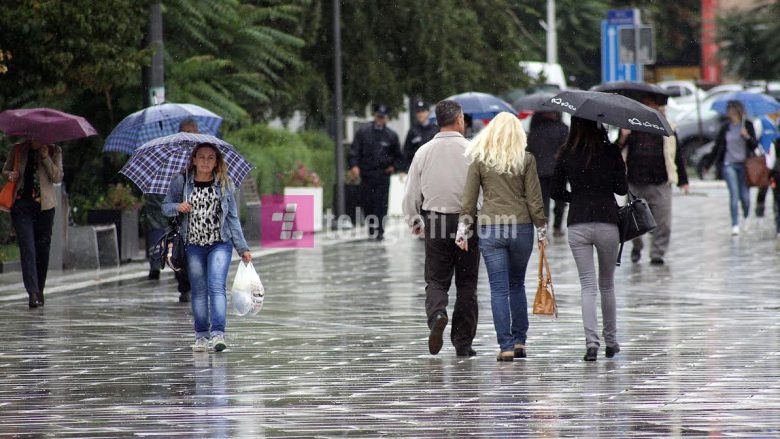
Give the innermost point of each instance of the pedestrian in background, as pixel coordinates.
(32, 214)
(511, 208)
(421, 132)
(546, 135)
(595, 171)
(735, 142)
(769, 133)
(655, 164)
(204, 199)
(156, 222)
(432, 205)
(374, 155)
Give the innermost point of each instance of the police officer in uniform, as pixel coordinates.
(420, 133)
(374, 155)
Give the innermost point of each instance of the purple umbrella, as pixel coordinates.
(45, 125)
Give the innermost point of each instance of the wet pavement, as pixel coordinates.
(340, 349)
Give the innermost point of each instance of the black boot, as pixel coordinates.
(40, 298)
(33, 300)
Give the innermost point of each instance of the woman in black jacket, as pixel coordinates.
(736, 141)
(596, 172)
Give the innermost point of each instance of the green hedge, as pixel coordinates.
(276, 151)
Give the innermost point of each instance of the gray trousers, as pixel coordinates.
(583, 237)
(659, 198)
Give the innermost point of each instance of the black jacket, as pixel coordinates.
(417, 136)
(593, 186)
(544, 139)
(375, 149)
(718, 154)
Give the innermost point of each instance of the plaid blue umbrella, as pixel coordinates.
(154, 164)
(756, 104)
(158, 121)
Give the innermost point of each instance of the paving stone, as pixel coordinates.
(340, 349)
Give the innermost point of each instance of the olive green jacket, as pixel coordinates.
(508, 198)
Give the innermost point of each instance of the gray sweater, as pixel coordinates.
(437, 176)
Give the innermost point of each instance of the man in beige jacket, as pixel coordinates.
(432, 203)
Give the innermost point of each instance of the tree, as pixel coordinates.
(231, 56)
(750, 42)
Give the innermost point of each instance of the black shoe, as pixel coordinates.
(380, 237)
(154, 275)
(184, 297)
(32, 302)
(465, 352)
(591, 354)
(436, 337)
(520, 352)
(657, 261)
(636, 255)
(611, 351)
(39, 297)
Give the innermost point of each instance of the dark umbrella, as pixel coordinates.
(611, 109)
(45, 125)
(481, 105)
(534, 102)
(635, 90)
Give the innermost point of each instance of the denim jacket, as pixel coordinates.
(230, 226)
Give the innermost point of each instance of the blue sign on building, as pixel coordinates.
(611, 68)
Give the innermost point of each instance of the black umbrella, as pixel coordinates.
(533, 102)
(635, 90)
(611, 109)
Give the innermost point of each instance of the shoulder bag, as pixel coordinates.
(9, 189)
(544, 302)
(634, 220)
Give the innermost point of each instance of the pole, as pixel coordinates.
(640, 77)
(154, 75)
(552, 34)
(337, 103)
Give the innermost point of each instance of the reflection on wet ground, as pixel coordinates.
(340, 349)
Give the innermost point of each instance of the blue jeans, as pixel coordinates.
(506, 249)
(208, 267)
(736, 181)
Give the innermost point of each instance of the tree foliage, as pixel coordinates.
(750, 41)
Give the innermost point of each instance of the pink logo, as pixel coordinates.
(287, 221)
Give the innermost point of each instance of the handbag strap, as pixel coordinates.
(544, 266)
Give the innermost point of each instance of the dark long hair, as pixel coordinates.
(585, 137)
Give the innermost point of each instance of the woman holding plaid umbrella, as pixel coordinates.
(204, 198)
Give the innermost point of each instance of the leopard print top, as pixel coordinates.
(204, 218)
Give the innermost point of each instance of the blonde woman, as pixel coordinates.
(512, 206)
(210, 228)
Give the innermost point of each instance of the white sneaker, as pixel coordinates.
(218, 342)
(735, 231)
(201, 345)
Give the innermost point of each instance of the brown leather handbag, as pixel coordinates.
(8, 191)
(756, 171)
(544, 302)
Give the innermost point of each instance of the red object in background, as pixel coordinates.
(710, 65)
(524, 114)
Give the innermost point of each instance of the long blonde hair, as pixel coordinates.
(501, 145)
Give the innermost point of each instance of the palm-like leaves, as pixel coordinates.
(230, 56)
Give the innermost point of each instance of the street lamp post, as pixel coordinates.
(337, 104)
(154, 75)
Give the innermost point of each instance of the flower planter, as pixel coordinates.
(126, 222)
(315, 192)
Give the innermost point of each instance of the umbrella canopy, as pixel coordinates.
(45, 125)
(533, 102)
(611, 109)
(756, 104)
(481, 105)
(154, 164)
(635, 90)
(158, 121)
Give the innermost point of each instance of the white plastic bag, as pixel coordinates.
(248, 292)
